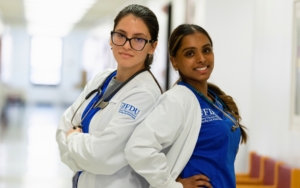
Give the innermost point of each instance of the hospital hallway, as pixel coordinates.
(29, 156)
(51, 49)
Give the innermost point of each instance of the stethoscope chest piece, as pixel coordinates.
(234, 127)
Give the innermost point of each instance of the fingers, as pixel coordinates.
(197, 177)
(203, 183)
(179, 178)
(199, 180)
(201, 177)
(77, 129)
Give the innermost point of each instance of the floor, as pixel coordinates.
(29, 156)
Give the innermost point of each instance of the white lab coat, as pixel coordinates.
(100, 154)
(172, 128)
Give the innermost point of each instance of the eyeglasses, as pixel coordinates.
(137, 44)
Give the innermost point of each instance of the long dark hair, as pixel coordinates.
(174, 44)
(148, 17)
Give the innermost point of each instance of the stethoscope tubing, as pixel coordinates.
(103, 102)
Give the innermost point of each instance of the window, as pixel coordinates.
(46, 60)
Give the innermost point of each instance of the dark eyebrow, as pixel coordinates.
(192, 48)
(135, 34)
(206, 45)
(188, 48)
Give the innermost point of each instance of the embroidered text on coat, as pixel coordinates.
(129, 110)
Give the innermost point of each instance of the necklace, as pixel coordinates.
(235, 126)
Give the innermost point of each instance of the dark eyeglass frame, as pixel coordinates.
(129, 39)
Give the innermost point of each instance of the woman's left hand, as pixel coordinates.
(199, 180)
(73, 131)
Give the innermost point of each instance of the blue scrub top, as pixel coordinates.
(90, 110)
(216, 147)
(87, 116)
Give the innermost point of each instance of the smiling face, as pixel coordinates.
(126, 57)
(194, 58)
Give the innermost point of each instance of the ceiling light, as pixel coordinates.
(54, 17)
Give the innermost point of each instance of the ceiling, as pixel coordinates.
(11, 11)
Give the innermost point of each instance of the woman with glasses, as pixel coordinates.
(93, 132)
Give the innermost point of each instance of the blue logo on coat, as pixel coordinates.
(129, 110)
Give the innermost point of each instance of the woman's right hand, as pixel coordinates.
(195, 181)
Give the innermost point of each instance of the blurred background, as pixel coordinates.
(49, 49)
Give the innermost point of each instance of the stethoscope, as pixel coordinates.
(103, 102)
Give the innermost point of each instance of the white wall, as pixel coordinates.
(18, 63)
(271, 132)
(2, 26)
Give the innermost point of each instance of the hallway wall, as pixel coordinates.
(66, 92)
(271, 130)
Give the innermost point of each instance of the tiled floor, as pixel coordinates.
(29, 155)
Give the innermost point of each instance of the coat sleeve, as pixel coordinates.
(65, 125)
(158, 131)
(102, 152)
(63, 149)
